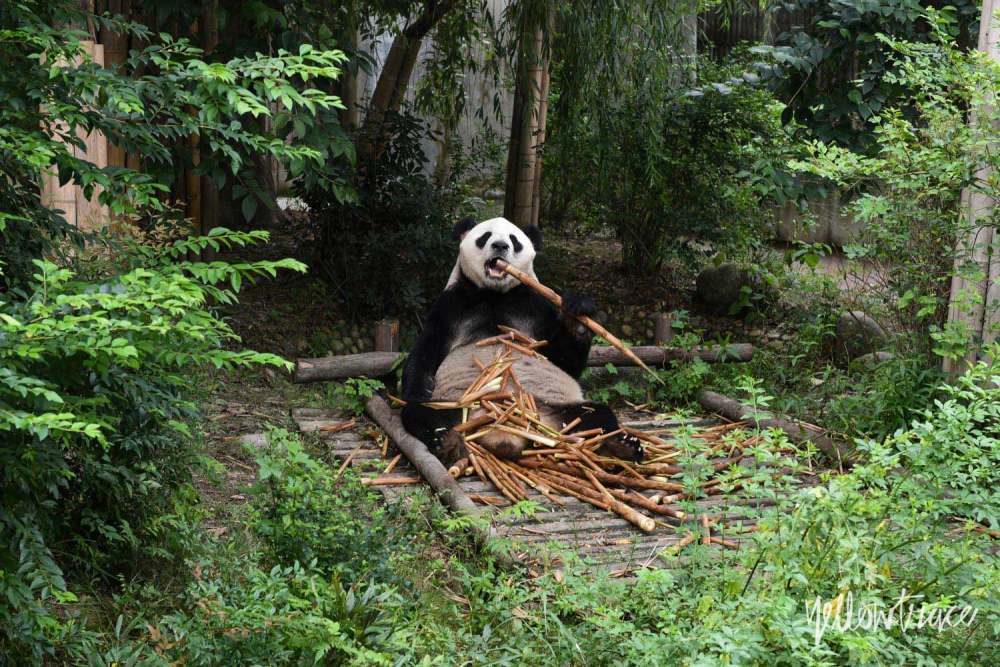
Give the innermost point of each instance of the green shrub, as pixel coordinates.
(835, 73)
(94, 387)
(954, 446)
(663, 166)
(305, 513)
(162, 96)
(233, 612)
(389, 250)
(908, 194)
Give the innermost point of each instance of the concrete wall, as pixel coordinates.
(825, 222)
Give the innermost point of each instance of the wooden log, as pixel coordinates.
(371, 364)
(387, 336)
(664, 328)
(428, 465)
(732, 409)
(376, 364)
(659, 356)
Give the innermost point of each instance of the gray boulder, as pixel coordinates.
(253, 441)
(877, 357)
(720, 286)
(858, 334)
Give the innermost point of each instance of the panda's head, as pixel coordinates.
(482, 244)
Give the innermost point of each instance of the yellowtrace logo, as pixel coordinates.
(910, 612)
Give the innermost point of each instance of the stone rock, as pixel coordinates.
(875, 357)
(858, 334)
(493, 195)
(720, 286)
(253, 441)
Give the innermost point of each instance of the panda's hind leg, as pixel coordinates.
(432, 427)
(598, 415)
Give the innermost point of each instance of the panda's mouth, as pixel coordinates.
(494, 267)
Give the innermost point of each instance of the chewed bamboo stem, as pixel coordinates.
(586, 321)
(567, 461)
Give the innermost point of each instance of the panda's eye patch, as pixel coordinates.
(517, 244)
(481, 241)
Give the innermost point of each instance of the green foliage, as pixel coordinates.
(235, 612)
(94, 393)
(305, 514)
(165, 99)
(666, 166)
(908, 193)
(390, 251)
(353, 394)
(954, 447)
(835, 73)
(286, 615)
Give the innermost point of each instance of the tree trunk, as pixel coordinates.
(982, 319)
(442, 170)
(531, 69)
(394, 80)
(209, 40)
(378, 364)
(543, 112)
(513, 149)
(350, 116)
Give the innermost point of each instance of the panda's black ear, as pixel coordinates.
(535, 235)
(462, 228)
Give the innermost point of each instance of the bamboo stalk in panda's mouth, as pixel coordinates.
(588, 322)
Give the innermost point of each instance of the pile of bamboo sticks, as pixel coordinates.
(565, 462)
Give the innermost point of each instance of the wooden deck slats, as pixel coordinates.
(610, 542)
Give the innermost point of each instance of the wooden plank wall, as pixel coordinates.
(85, 213)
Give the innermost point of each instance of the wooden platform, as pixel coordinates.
(606, 539)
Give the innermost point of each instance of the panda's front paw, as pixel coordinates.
(626, 447)
(574, 305)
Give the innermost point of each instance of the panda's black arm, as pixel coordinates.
(568, 340)
(422, 364)
(429, 351)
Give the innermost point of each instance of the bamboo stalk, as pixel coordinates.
(474, 460)
(726, 543)
(347, 461)
(390, 481)
(474, 423)
(570, 426)
(488, 500)
(536, 484)
(458, 468)
(527, 435)
(495, 476)
(647, 504)
(621, 480)
(392, 464)
(337, 428)
(686, 540)
(586, 321)
(579, 491)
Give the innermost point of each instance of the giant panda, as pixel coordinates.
(478, 297)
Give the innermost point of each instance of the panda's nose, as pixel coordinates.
(500, 246)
